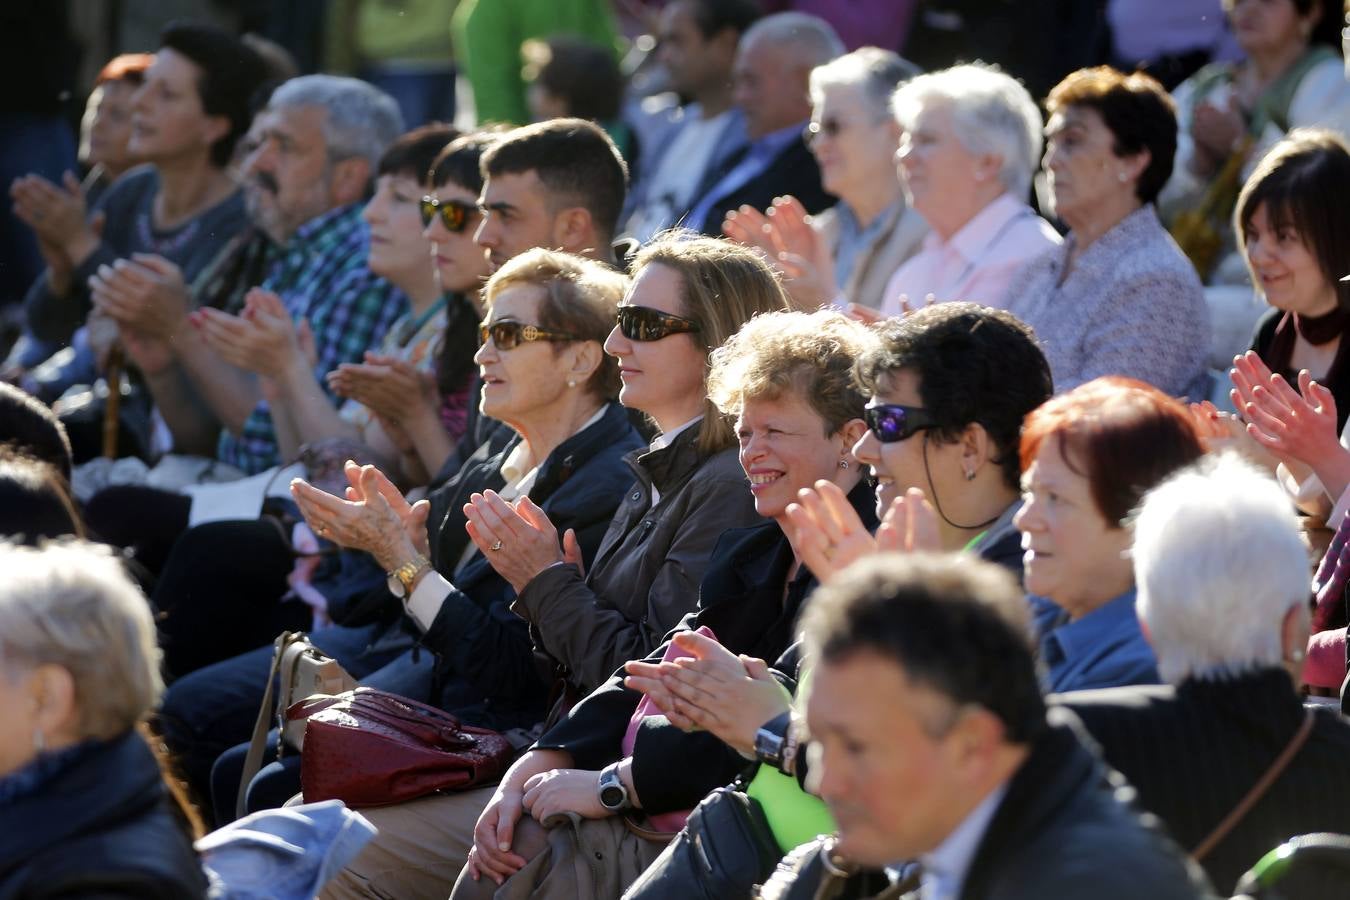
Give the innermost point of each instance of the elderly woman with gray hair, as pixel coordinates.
(1222, 574)
(971, 139)
(84, 808)
(848, 252)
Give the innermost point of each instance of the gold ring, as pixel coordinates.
(496, 546)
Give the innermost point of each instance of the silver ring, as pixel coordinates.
(496, 546)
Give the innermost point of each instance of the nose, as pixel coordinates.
(434, 231)
(487, 352)
(616, 344)
(752, 449)
(372, 212)
(1028, 517)
(260, 160)
(487, 234)
(866, 450)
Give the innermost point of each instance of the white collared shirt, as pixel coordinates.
(945, 869)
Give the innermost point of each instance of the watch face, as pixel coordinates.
(612, 797)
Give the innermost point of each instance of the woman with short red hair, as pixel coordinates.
(1088, 456)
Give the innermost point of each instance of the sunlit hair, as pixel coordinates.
(1138, 112)
(578, 296)
(722, 286)
(812, 40)
(991, 113)
(1122, 435)
(1299, 181)
(360, 122)
(873, 71)
(72, 605)
(809, 355)
(126, 67)
(1219, 561)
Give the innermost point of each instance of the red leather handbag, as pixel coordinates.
(367, 747)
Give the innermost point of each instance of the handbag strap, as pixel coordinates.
(1257, 791)
(256, 744)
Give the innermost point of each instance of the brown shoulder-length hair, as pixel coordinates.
(1138, 111)
(1122, 435)
(1300, 181)
(723, 285)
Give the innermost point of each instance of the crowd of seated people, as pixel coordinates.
(830, 435)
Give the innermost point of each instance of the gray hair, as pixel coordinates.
(71, 604)
(991, 113)
(361, 119)
(812, 37)
(875, 72)
(1219, 561)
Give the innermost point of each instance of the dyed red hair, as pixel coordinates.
(1122, 435)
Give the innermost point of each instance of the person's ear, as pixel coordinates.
(987, 167)
(976, 449)
(1294, 631)
(1137, 163)
(52, 689)
(973, 741)
(350, 180)
(587, 356)
(574, 231)
(217, 127)
(849, 434)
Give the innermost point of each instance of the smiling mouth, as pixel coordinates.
(763, 478)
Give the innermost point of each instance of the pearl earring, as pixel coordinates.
(1123, 177)
(571, 382)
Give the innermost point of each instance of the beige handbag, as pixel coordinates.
(299, 670)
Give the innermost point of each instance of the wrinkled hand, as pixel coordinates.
(146, 292)
(491, 853)
(713, 689)
(55, 212)
(564, 790)
(519, 541)
(784, 237)
(393, 389)
(375, 517)
(262, 339)
(1298, 425)
(825, 531)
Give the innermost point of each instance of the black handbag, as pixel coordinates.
(723, 851)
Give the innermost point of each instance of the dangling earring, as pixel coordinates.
(843, 463)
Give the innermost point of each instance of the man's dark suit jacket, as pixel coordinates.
(1194, 751)
(793, 171)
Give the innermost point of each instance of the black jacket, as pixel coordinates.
(1195, 750)
(102, 828)
(742, 601)
(1060, 831)
(793, 171)
(488, 671)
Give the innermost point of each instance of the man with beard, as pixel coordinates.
(315, 149)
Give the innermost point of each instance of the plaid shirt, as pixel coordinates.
(321, 275)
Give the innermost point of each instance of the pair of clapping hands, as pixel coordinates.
(1295, 426)
(732, 695)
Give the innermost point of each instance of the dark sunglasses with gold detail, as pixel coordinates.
(454, 214)
(642, 323)
(508, 335)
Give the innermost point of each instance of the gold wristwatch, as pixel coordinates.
(401, 579)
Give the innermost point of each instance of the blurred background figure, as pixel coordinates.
(569, 77)
(488, 35)
(847, 253)
(403, 48)
(105, 129)
(83, 800)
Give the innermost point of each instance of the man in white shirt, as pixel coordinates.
(698, 40)
(932, 743)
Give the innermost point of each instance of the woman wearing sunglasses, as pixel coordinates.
(686, 299)
(423, 416)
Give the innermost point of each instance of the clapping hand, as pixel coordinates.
(374, 517)
(829, 536)
(517, 539)
(784, 236)
(146, 293)
(1294, 425)
(391, 388)
(262, 339)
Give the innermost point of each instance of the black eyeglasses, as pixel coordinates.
(891, 422)
(454, 213)
(642, 323)
(508, 335)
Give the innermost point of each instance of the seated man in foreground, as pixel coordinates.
(933, 744)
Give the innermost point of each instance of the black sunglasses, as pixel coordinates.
(642, 323)
(454, 213)
(891, 422)
(508, 335)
